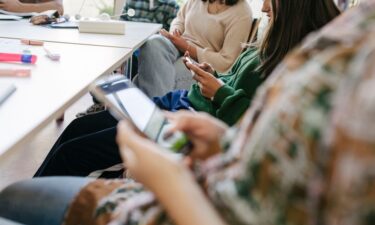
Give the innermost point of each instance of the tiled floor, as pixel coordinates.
(23, 162)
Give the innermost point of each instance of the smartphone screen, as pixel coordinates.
(133, 104)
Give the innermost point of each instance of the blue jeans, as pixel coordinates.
(41, 201)
(8, 222)
(160, 68)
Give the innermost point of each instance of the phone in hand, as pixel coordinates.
(191, 61)
(125, 101)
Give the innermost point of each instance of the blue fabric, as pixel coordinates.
(173, 101)
(41, 201)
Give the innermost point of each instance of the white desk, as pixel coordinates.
(52, 88)
(135, 35)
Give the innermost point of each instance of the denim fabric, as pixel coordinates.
(8, 222)
(41, 201)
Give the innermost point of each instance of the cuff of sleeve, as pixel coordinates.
(221, 94)
(176, 27)
(200, 54)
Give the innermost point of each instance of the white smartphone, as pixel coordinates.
(192, 61)
(125, 101)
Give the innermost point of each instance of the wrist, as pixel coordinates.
(171, 179)
(188, 48)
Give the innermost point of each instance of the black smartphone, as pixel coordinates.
(125, 101)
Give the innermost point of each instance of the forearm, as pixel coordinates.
(40, 7)
(192, 52)
(185, 202)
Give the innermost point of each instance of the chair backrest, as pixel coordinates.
(254, 30)
(253, 34)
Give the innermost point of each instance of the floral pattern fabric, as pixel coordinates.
(305, 151)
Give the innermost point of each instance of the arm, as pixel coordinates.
(167, 177)
(179, 22)
(231, 100)
(188, 205)
(26, 6)
(40, 7)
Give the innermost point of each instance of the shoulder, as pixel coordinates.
(243, 6)
(241, 11)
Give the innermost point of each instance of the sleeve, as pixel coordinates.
(179, 21)
(237, 32)
(232, 102)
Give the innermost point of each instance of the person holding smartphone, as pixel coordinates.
(210, 30)
(295, 158)
(88, 143)
(24, 6)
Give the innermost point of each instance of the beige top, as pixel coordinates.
(218, 37)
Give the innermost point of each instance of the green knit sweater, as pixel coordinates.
(234, 97)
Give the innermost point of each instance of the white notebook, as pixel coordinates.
(6, 90)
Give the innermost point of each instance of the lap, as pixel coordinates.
(39, 201)
(83, 155)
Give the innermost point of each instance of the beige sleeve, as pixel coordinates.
(237, 32)
(179, 21)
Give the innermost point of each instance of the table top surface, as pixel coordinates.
(135, 34)
(52, 87)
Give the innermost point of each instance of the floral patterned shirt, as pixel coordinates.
(305, 151)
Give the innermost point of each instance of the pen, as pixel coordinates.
(32, 42)
(15, 72)
(13, 57)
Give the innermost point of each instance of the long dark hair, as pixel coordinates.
(291, 21)
(226, 2)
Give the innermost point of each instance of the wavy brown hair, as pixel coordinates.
(292, 20)
(226, 2)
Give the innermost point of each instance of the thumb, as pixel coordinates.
(129, 158)
(128, 137)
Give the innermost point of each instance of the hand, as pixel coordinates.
(203, 131)
(180, 43)
(208, 84)
(145, 160)
(204, 66)
(10, 5)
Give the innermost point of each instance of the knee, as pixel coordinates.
(155, 44)
(13, 195)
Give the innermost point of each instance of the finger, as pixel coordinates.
(129, 158)
(204, 65)
(198, 71)
(128, 137)
(176, 33)
(187, 54)
(165, 33)
(198, 79)
(184, 61)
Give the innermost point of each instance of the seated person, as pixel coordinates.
(23, 6)
(152, 11)
(295, 158)
(88, 143)
(210, 30)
